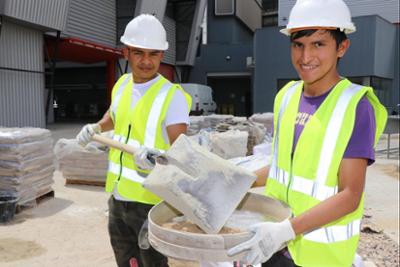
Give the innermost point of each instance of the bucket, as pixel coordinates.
(207, 247)
(7, 208)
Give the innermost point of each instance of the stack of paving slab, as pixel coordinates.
(81, 165)
(26, 163)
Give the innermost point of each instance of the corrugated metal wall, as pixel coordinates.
(93, 20)
(47, 13)
(170, 54)
(388, 9)
(125, 12)
(21, 93)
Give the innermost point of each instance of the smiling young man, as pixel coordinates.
(325, 130)
(149, 113)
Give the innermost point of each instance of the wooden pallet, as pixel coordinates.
(34, 202)
(84, 182)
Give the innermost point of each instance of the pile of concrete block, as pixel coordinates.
(196, 124)
(26, 163)
(267, 119)
(225, 135)
(227, 145)
(82, 165)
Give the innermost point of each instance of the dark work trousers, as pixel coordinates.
(279, 260)
(124, 223)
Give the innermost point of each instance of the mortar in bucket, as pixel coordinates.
(7, 208)
(208, 247)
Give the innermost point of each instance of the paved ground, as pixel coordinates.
(71, 229)
(382, 189)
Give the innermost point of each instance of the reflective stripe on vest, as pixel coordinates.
(150, 134)
(335, 233)
(302, 185)
(118, 94)
(151, 126)
(125, 172)
(332, 132)
(317, 188)
(285, 101)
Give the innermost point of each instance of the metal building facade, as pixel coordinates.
(49, 14)
(21, 76)
(170, 28)
(387, 9)
(92, 20)
(22, 82)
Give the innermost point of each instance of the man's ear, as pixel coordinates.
(343, 46)
(125, 51)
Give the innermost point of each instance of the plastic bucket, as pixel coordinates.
(7, 208)
(207, 247)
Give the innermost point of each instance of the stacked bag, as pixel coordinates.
(82, 165)
(26, 163)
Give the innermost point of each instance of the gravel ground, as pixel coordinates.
(376, 246)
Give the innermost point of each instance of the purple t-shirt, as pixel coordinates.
(361, 143)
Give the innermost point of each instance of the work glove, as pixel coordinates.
(143, 237)
(87, 132)
(145, 157)
(268, 238)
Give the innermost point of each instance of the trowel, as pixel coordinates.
(153, 158)
(203, 186)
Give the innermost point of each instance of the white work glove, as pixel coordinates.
(268, 238)
(87, 132)
(145, 157)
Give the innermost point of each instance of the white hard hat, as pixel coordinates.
(319, 14)
(145, 31)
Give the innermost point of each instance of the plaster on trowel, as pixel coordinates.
(203, 186)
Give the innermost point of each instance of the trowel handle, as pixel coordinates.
(114, 144)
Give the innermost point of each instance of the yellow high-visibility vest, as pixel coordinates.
(138, 125)
(310, 175)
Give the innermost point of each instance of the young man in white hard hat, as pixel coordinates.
(149, 113)
(325, 130)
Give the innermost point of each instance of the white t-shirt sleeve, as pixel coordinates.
(178, 110)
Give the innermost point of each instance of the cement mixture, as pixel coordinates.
(237, 222)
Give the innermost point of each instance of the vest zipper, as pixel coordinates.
(121, 155)
(290, 178)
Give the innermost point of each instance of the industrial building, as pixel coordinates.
(60, 59)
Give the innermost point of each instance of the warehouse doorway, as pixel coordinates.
(232, 93)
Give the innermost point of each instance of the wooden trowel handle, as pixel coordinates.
(114, 144)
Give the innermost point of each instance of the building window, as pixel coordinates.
(382, 88)
(270, 20)
(270, 13)
(224, 7)
(270, 5)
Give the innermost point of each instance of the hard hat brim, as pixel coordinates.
(126, 42)
(289, 31)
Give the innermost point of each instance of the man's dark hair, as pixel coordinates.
(338, 35)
